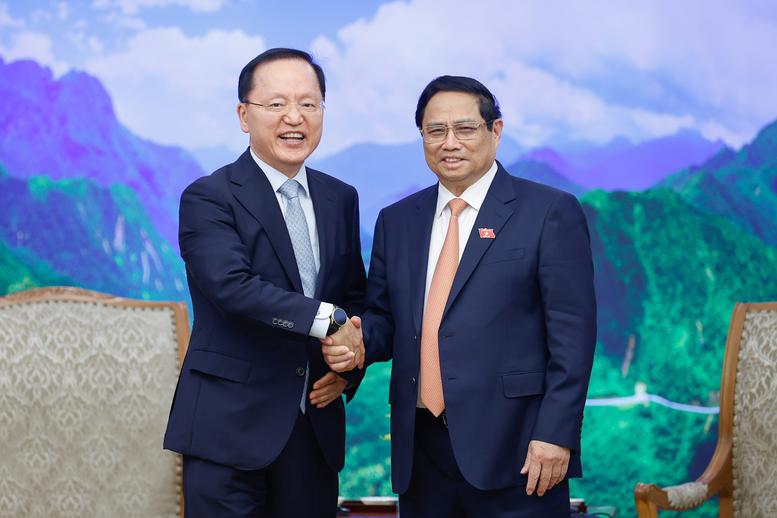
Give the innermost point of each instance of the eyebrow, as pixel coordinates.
(457, 121)
(285, 95)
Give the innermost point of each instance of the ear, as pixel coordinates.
(242, 115)
(496, 129)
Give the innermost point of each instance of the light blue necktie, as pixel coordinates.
(303, 251)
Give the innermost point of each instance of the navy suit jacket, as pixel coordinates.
(240, 385)
(517, 335)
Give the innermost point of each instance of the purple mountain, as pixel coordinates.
(621, 165)
(541, 171)
(66, 128)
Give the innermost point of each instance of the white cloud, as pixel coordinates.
(179, 89)
(123, 21)
(88, 44)
(133, 6)
(561, 70)
(94, 44)
(32, 45)
(63, 11)
(6, 20)
(570, 70)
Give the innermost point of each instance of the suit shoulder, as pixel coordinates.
(411, 200)
(331, 181)
(210, 183)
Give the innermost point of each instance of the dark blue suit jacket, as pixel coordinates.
(517, 336)
(240, 385)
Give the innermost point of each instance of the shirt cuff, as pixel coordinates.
(321, 321)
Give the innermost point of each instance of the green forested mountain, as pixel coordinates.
(20, 270)
(668, 275)
(100, 238)
(740, 186)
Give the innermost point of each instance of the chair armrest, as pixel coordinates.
(649, 498)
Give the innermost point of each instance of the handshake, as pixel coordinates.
(344, 350)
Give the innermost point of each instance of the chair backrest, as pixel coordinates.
(754, 436)
(86, 381)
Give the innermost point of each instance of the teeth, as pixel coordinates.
(451, 160)
(292, 134)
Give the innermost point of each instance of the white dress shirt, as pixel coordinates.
(276, 178)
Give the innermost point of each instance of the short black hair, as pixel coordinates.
(246, 80)
(487, 103)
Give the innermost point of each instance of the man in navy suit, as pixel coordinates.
(481, 292)
(273, 261)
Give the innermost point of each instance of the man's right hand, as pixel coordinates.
(344, 350)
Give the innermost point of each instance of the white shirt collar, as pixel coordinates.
(474, 195)
(277, 178)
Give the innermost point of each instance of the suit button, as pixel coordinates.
(415, 337)
(412, 380)
(300, 371)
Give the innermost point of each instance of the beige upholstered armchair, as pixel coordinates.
(743, 469)
(86, 381)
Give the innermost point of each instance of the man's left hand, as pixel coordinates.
(327, 389)
(546, 465)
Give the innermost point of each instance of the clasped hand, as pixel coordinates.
(344, 350)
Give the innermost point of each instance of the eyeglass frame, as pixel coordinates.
(449, 127)
(319, 107)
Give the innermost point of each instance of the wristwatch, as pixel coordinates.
(337, 319)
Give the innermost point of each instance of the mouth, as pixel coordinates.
(292, 137)
(452, 160)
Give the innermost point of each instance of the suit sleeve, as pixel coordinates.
(353, 300)
(378, 322)
(218, 262)
(569, 305)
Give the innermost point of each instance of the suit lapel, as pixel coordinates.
(253, 190)
(326, 210)
(497, 208)
(418, 234)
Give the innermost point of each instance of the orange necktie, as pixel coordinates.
(442, 279)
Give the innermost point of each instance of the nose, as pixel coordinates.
(294, 115)
(450, 142)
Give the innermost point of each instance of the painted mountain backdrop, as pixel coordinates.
(689, 232)
(67, 128)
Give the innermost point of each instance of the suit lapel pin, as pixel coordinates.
(486, 233)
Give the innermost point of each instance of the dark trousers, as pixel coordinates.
(298, 484)
(438, 489)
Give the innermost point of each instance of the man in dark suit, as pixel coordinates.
(273, 261)
(481, 291)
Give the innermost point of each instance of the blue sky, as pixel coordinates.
(563, 70)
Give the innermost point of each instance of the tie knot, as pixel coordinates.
(290, 189)
(457, 205)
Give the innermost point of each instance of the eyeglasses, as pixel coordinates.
(284, 107)
(436, 133)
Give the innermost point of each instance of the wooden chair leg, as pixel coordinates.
(725, 507)
(646, 509)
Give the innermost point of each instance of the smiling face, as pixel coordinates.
(459, 163)
(281, 140)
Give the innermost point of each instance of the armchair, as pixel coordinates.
(86, 381)
(742, 471)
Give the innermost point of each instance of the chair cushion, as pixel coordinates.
(755, 416)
